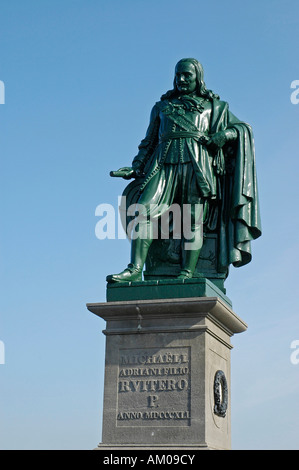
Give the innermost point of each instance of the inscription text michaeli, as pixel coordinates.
(154, 387)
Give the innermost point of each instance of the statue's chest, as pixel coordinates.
(175, 115)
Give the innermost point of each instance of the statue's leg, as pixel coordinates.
(154, 200)
(193, 210)
(191, 252)
(140, 234)
(139, 250)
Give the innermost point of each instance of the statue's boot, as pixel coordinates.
(190, 258)
(133, 272)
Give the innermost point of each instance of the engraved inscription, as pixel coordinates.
(154, 387)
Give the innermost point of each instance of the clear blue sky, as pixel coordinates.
(80, 79)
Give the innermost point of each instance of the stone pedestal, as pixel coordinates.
(167, 373)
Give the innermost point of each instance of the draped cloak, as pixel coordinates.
(227, 177)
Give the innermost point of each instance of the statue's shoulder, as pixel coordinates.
(156, 109)
(219, 105)
(161, 104)
(159, 107)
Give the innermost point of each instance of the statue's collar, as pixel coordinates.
(190, 102)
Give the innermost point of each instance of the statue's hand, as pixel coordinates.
(125, 172)
(217, 141)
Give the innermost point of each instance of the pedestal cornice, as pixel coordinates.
(195, 307)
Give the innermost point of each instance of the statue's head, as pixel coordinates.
(188, 79)
(188, 76)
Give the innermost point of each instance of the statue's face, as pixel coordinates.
(185, 77)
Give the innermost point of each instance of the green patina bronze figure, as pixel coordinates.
(196, 154)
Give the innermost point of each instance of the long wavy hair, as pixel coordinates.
(201, 89)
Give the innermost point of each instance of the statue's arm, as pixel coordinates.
(145, 148)
(228, 132)
(149, 143)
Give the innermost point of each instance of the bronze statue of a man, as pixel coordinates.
(196, 153)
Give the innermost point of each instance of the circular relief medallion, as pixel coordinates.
(220, 394)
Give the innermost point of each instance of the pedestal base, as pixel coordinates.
(167, 373)
(164, 289)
